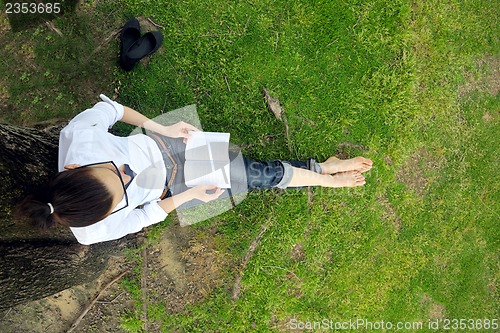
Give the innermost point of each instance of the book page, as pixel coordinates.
(207, 173)
(219, 151)
(207, 146)
(207, 159)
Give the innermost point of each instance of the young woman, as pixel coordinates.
(110, 186)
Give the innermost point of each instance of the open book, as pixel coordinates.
(207, 160)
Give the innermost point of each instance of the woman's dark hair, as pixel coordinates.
(79, 199)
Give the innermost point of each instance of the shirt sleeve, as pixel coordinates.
(102, 115)
(115, 227)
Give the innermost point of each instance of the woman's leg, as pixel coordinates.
(302, 177)
(283, 174)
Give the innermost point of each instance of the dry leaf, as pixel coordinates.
(273, 104)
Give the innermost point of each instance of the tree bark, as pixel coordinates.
(36, 264)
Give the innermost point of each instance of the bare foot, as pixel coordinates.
(334, 165)
(351, 178)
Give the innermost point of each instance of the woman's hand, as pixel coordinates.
(200, 192)
(179, 130)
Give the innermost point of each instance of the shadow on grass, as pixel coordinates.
(23, 16)
(54, 69)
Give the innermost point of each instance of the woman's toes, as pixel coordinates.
(365, 166)
(334, 165)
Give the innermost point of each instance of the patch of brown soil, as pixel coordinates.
(389, 213)
(344, 150)
(492, 286)
(182, 269)
(491, 117)
(298, 252)
(489, 83)
(435, 310)
(420, 170)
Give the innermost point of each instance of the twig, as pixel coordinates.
(274, 105)
(331, 43)
(246, 24)
(223, 34)
(5, 316)
(79, 319)
(251, 250)
(109, 302)
(155, 24)
(164, 103)
(227, 83)
(309, 198)
(307, 120)
(52, 27)
(285, 121)
(359, 19)
(106, 41)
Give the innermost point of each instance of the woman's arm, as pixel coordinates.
(198, 192)
(178, 130)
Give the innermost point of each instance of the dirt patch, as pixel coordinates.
(346, 150)
(388, 160)
(389, 213)
(490, 117)
(487, 117)
(489, 82)
(492, 287)
(183, 267)
(420, 170)
(435, 310)
(298, 253)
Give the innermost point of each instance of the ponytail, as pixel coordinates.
(73, 198)
(37, 212)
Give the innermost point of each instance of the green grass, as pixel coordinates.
(408, 84)
(384, 76)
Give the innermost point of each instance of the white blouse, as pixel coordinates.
(86, 140)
